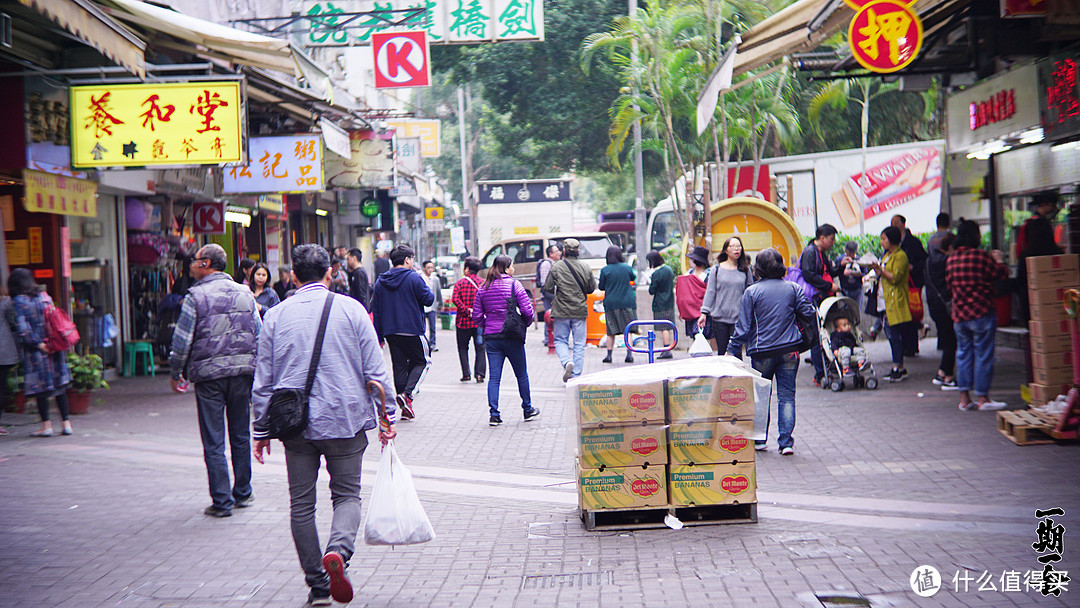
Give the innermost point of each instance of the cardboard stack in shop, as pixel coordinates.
(676, 434)
(1049, 277)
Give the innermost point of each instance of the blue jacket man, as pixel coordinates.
(397, 304)
(214, 347)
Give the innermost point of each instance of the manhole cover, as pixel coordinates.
(575, 580)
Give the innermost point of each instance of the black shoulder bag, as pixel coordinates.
(514, 327)
(287, 413)
(577, 279)
(807, 326)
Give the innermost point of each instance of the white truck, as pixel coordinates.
(902, 178)
(519, 208)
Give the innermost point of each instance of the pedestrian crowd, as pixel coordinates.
(243, 341)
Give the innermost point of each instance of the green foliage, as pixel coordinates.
(673, 259)
(86, 372)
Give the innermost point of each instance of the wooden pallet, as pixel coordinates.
(1026, 427)
(644, 518)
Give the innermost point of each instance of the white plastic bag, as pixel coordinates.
(395, 515)
(700, 347)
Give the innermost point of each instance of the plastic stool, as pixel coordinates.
(132, 350)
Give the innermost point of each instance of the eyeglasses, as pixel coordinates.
(197, 259)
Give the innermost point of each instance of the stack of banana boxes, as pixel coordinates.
(666, 436)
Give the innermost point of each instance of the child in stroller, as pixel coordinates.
(839, 317)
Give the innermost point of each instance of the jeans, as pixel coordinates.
(563, 329)
(221, 401)
(430, 319)
(343, 458)
(946, 341)
(896, 335)
(817, 359)
(782, 368)
(498, 350)
(410, 358)
(464, 336)
(975, 354)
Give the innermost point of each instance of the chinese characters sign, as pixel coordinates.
(371, 164)
(885, 36)
(50, 193)
(445, 21)
(426, 130)
(1059, 97)
(540, 191)
(195, 123)
(290, 163)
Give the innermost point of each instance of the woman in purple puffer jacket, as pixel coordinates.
(489, 311)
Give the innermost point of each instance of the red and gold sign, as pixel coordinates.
(885, 36)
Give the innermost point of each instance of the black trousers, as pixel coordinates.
(410, 357)
(722, 332)
(464, 336)
(946, 341)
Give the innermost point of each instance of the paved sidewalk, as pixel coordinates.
(882, 482)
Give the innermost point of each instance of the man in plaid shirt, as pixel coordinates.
(970, 275)
(467, 329)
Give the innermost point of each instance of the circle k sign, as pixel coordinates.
(401, 59)
(208, 217)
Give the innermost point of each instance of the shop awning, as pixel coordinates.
(223, 42)
(88, 23)
(802, 27)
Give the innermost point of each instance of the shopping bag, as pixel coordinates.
(395, 515)
(700, 347)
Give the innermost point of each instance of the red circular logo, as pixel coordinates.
(885, 36)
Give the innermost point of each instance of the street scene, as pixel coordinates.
(528, 303)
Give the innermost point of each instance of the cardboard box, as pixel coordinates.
(1046, 304)
(711, 442)
(1042, 393)
(1050, 336)
(622, 446)
(728, 397)
(1053, 368)
(1048, 271)
(712, 484)
(622, 487)
(606, 404)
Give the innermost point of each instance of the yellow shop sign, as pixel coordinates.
(134, 125)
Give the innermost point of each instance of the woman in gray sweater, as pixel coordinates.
(724, 290)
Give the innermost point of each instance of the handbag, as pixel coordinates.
(513, 327)
(287, 412)
(915, 303)
(807, 327)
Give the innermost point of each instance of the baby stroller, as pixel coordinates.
(831, 309)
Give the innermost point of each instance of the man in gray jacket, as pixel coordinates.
(213, 346)
(340, 413)
(571, 281)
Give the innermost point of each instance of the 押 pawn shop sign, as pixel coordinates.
(135, 125)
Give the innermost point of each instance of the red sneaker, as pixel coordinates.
(405, 404)
(340, 587)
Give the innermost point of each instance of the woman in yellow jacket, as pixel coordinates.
(893, 272)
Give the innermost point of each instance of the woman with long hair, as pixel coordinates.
(767, 327)
(45, 374)
(243, 273)
(724, 290)
(893, 271)
(620, 302)
(265, 296)
(662, 289)
(489, 311)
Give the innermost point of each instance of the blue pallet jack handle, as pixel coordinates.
(650, 337)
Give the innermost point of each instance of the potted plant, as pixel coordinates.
(17, 400)
(87, 374)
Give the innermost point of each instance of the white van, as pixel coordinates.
(527, 250)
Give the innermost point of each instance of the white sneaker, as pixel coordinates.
(992, 406)
(568, 371)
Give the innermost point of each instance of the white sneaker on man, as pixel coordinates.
(992, 406)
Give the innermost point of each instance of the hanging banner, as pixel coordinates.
(445, 21)
(426, 130)
(885, 36)
(457, 240)
(129, 125)
(370, 163)
(335, 138)
(50, 193)
(287, 163)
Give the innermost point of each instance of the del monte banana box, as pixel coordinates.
(706, 398)
(622, 487)
(712, 484)
(621, 446)
(606, 404)
(711, 442)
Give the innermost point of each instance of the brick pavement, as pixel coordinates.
(881, 482)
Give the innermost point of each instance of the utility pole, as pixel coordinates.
(470, 205)
(640, 237)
